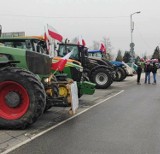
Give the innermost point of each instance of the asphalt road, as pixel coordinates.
(125, 124)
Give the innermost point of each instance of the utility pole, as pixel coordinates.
(132, 53)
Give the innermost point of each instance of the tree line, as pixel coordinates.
(120, 56)
(126, 57)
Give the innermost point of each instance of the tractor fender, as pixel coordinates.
(98, 67)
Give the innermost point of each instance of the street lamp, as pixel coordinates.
(132, 44)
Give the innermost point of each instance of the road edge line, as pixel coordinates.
(55, 126)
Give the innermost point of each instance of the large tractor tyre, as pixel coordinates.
(102, 78)
(117, 75)
(120, 74)
(22, 98)
(125, 73)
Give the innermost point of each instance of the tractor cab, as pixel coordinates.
(79, 52)
(97, 70)
(32, 43)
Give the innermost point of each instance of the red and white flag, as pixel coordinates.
(102, 48)
(59, 66)
(47, 41)
(54, 34)
(83, 43)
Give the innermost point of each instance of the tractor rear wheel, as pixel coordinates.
(119, 74)
(22, 98)
(102, 78)
(125, 73)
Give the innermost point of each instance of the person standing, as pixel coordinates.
(147, 70)
(154, 71)
(139, 71)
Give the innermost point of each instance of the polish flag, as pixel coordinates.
(102, 48)
(47, 41)
(59, 66)
(83, 43)
(54, 34)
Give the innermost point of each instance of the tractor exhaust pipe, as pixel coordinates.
(0, 30)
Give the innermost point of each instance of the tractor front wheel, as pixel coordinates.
(22, 98)
(102, 78)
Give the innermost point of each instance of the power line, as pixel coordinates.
(62, 17)
(144, 41)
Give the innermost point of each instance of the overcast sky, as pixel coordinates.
(95, 19)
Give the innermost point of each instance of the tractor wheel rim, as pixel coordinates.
(101, 78)
(14, 100)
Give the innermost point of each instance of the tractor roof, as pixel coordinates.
(94, 51)
(23, 38)
(71, 44)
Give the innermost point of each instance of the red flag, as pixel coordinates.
(83, 42)
(59, 66)
(102, 48)
(54, 34)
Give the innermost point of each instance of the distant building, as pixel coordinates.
(13, 34)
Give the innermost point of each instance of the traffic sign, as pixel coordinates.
(132, 45)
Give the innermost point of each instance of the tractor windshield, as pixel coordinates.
(95, 54)
(17, 44)
(64, 49)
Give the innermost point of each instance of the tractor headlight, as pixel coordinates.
(81, 69)
(46, 80)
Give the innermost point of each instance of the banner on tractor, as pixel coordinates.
(74, 96)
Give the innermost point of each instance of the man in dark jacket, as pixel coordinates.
(147, 70)
(139, 71)
(154, 71)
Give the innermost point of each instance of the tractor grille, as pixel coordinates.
(38, 63)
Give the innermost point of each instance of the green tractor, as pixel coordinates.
(72, 70)
(96, 70)
(27, 87)
(23, 97)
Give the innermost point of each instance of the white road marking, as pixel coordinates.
(53, 127)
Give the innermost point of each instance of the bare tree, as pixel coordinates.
(108, 46)
(75, 40)
(96, 45)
